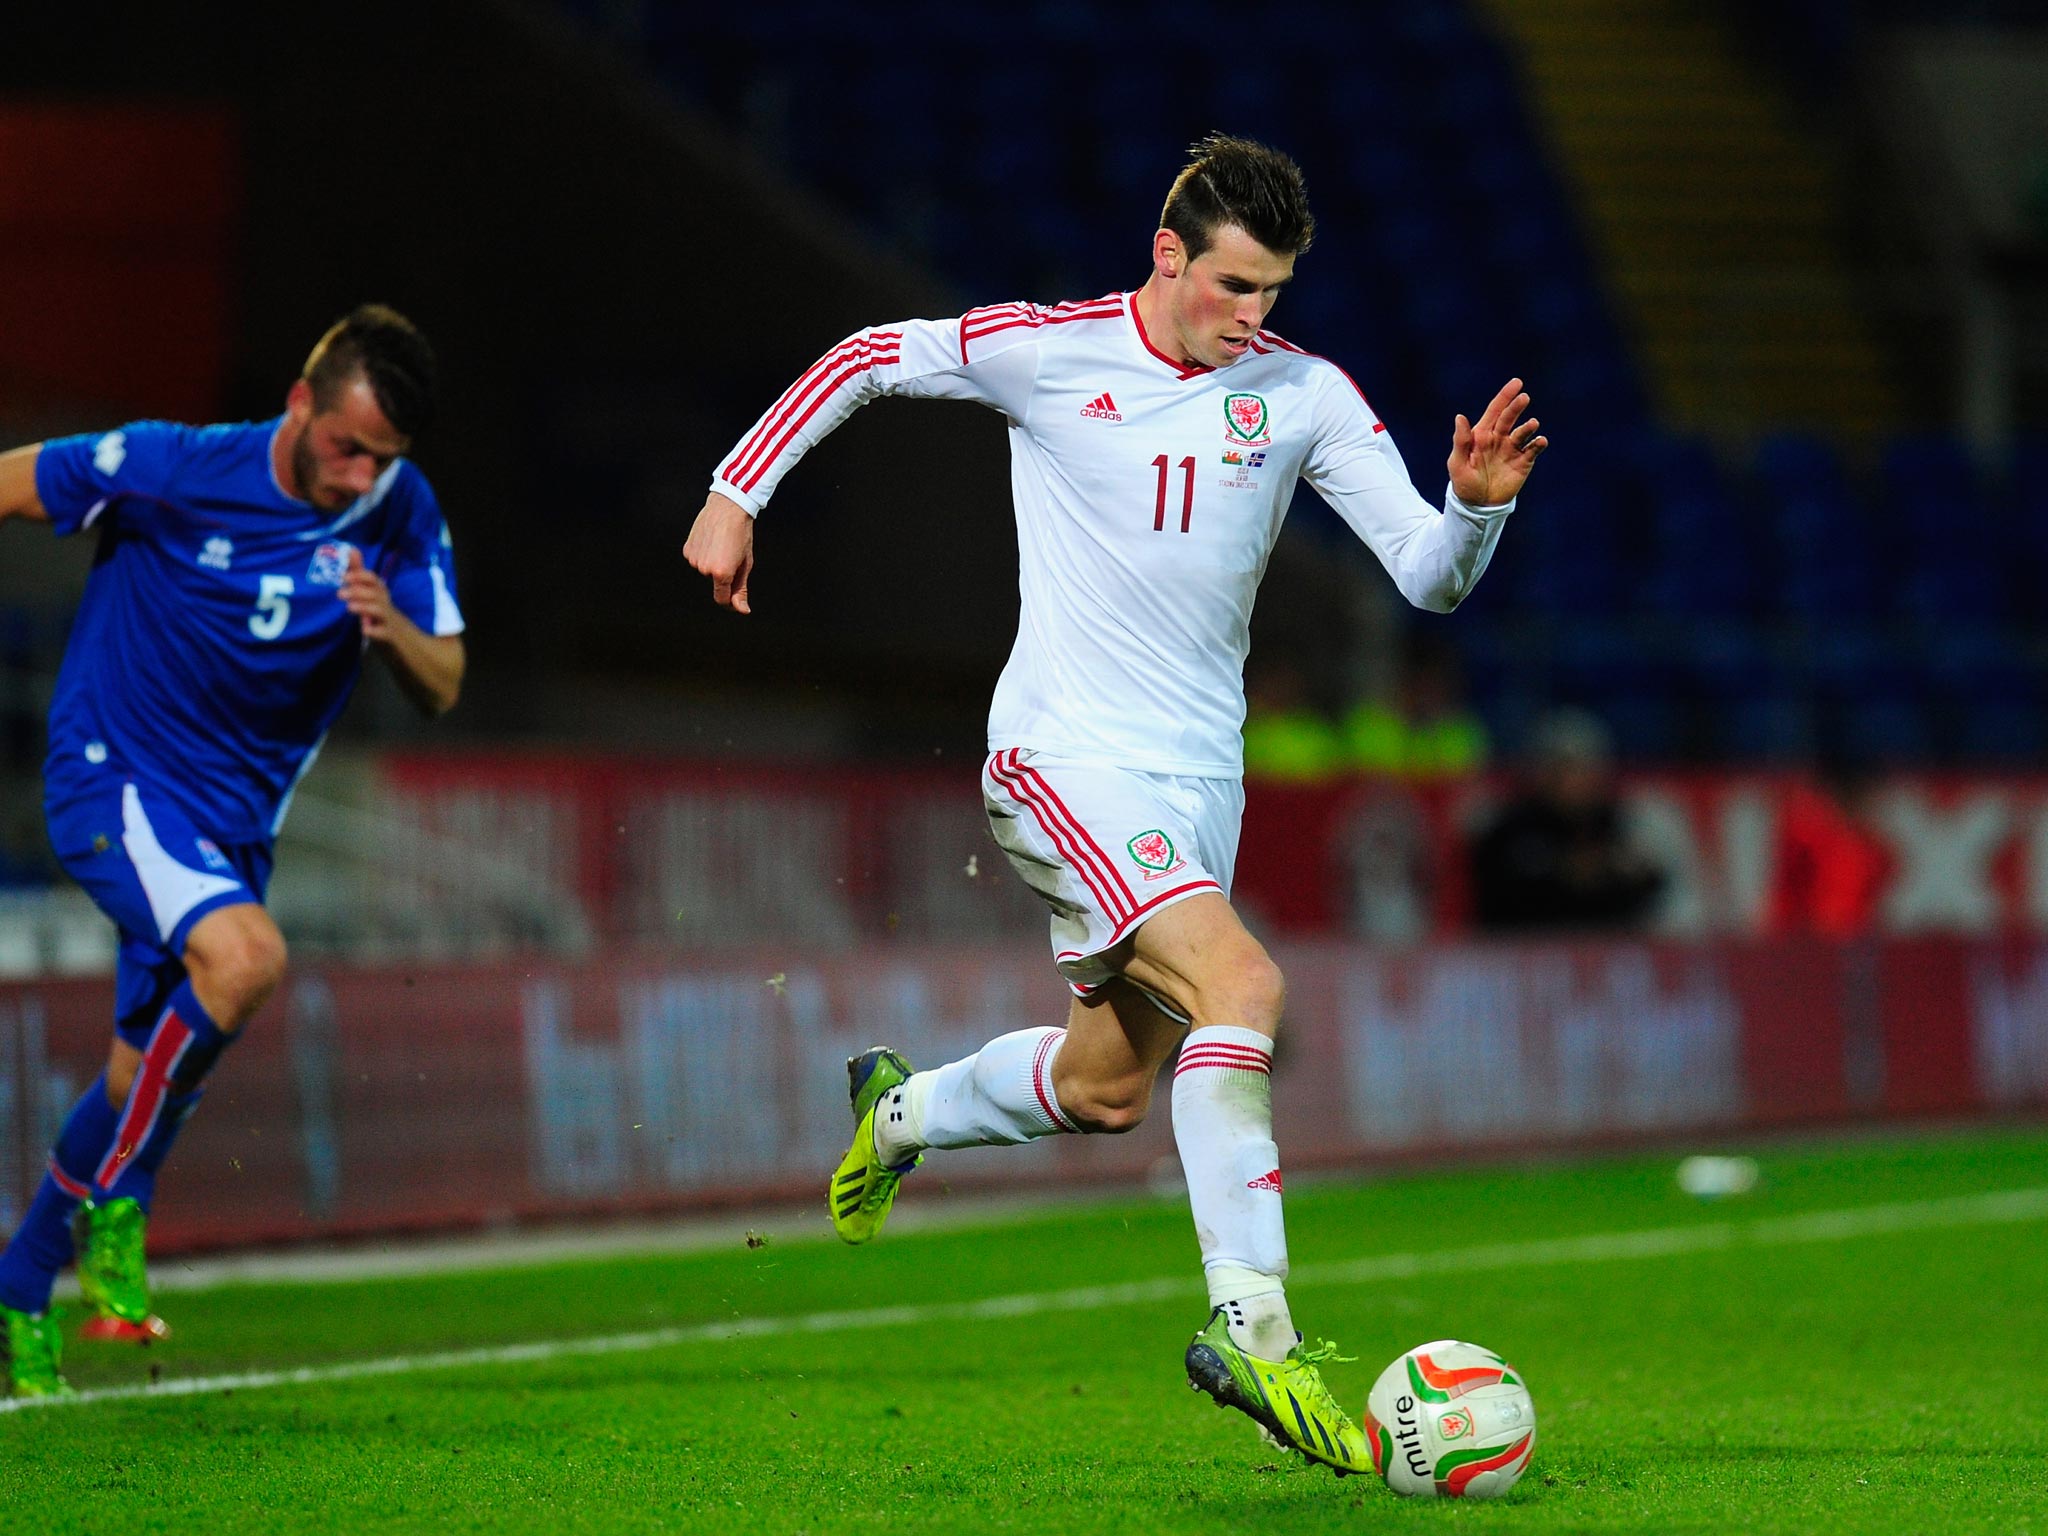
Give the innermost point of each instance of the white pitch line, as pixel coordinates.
(2003, 1207)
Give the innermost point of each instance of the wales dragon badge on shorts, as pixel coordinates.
(1247, 421)
(1154, 853)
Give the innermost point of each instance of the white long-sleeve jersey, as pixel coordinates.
(1148, 497)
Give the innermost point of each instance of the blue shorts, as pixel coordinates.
(155, 874)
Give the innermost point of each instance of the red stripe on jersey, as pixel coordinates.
(977, 320)
(787, 401)
(862, 363)
(1099, 878)
(791, 398)
(1287, 346)
(989, 312)
(1033, 321)
(1185, 370)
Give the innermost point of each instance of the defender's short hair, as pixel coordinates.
(1242, 182)
(388, 350)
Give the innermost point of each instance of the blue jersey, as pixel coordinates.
(212, 651)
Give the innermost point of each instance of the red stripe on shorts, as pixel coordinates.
(1131, 907)
(1100, 881)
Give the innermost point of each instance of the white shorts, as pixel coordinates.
(1105, 848)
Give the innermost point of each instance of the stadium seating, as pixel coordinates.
(1759, 606)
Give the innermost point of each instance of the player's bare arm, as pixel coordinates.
(428, 667)
(1491, 458)
(721, 546)
(18, 484)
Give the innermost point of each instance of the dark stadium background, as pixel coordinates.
(1778, 279)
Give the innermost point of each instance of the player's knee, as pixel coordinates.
(238, 973)
(1246, 989)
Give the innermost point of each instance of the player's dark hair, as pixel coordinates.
(1241, 182)
(387, 349)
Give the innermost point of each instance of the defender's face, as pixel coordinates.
(1221, 298)
(342, 450)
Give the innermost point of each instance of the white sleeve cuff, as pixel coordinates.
(752, 505)
(1498, 509)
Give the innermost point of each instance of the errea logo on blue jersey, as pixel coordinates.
(110, 452)
(218, 553)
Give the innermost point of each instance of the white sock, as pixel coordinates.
(1223, 1124)
(999, 1096)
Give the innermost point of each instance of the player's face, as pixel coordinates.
(1221, 298)
(341, 450)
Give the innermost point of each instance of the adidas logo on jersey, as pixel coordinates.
(1102, 408)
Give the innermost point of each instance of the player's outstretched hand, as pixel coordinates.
(365, 595)
(721, 546)
(1492, 457)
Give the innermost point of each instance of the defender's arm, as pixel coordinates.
(428, 667)
(18, 496)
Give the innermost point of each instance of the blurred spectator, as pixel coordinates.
(1427, 732)
(1558, 855)
(1285, 736)
(1831, 864)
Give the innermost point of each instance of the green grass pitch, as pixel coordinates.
(1757, 1365)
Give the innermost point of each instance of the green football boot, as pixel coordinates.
(863, 1187)
(31, 1350)
(1286, 1398)
(111, 1274)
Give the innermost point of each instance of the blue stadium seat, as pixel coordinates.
(1885, 730)
(1765, 728)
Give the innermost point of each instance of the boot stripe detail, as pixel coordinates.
(1307, 1435)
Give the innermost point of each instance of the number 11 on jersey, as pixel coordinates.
(1187, 493)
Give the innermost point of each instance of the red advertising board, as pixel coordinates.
(709, 853)
(382, 1099)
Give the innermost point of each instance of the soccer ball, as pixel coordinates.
(1452, 1421)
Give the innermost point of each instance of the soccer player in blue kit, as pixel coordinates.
(241, 574)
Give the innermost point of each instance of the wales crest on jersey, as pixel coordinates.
(330, 563)
(1155, 854)
(1246, 420)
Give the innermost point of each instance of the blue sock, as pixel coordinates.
(182, 1049)
(42, 1244)
(137, 1181)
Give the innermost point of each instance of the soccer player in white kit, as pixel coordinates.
(1155, 441)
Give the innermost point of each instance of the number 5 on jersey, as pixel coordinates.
(1187, 493)
(273, 607)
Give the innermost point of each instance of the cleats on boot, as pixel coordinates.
(1285, 1398)
(109, 1238)
(863, 1187)
(31, 1351)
